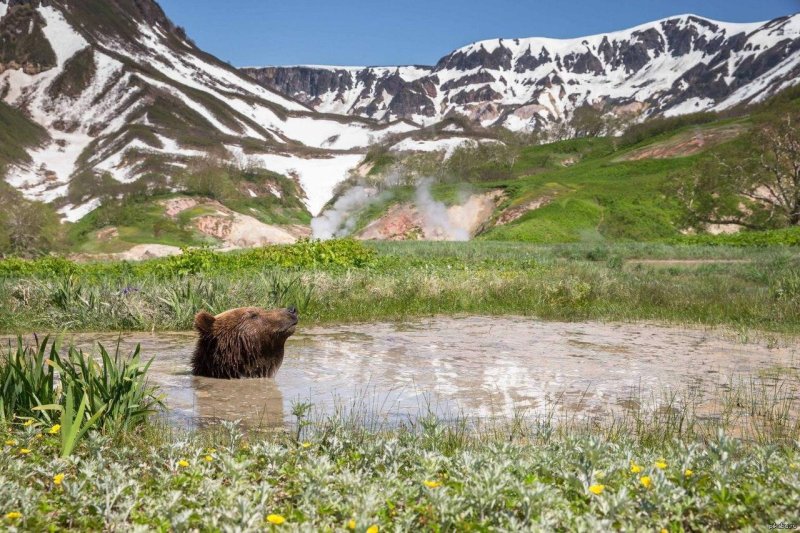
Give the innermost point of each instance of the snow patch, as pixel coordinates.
(64, 40)
(72, 213)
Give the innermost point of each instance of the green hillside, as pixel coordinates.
(579, 190)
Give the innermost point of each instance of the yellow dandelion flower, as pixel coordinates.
(306, 444)
(28, 423)
(183, 463)
(13, 515)
(55, 429)
(664, 530)
(661, 464)
(635, 469)
(38, 436)
(373, 528)
(431, 484)
(275, 519)
(688, 472)
(11, 442)
(211, 450)
(597, 489)
(793, 466)
(24, 451)
(645, 481)
(351, 524)
(208, 458)
(58, 478)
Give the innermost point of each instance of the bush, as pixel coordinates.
(343, 253)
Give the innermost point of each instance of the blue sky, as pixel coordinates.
(360, 32)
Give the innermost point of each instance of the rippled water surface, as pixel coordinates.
(471, 366)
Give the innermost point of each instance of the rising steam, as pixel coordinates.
(438, 222)
(340, 220)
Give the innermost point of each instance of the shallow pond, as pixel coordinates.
(470, 366)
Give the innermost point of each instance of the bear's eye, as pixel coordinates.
(253, 315)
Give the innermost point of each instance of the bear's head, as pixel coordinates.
(243, 342)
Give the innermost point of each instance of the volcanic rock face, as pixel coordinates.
(673, 66)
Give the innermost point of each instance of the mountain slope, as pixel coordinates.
(130, 104)
(673, 66)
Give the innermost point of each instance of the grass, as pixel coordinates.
(17, 132)
(348, 281)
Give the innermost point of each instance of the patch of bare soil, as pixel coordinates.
(140, 252)
(241, 231)
(686, 262)
(401, 222)
(174, 206)
(513, 213)
(685, 144)
(107, 234)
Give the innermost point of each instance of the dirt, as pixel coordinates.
(241, 231)
(106, 234)
(513, 213)
(686, 262)
(235, 230)
(685, 144)
(174, 206)
(401, 222)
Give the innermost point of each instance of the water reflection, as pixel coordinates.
(468, 366)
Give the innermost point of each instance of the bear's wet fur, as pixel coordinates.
(246, 342)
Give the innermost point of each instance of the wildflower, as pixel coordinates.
(13, 515)
(24, 451)
(306, 444)
(38, 436)
(432, 484)
(28, 423)
(664, 530)
(55, 429)
(373, 528)
(211, 450)
(597, 489)
(645, 480)
(688, 472)
(351, 524)
(208, 458)
(635, 469)
(183, 463)
(11, 442)
(793, 466)
(275, 519)
(58, 478)
(661, 464)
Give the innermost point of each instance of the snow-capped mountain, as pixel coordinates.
(673, 66)
(127, 101)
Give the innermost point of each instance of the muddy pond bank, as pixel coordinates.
(468, 367)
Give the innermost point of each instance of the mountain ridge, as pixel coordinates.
(533, 83)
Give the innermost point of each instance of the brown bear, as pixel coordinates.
(242, 343)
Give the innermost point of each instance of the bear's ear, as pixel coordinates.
(203, 322)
